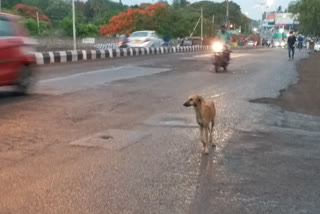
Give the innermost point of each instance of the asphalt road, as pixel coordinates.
(113, 137)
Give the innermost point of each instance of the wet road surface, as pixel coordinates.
(113, 137)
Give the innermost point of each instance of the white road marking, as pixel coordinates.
(217, 95)
(93, 79)
(207, 56)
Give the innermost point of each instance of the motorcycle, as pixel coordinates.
(122, 42)
(221, 56)
(269, 43)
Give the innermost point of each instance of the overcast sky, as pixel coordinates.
(246, 5)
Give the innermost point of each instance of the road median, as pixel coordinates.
(43, 58)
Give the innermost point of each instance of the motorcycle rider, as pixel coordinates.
(123, 41)
(300, 41)
(224, 36)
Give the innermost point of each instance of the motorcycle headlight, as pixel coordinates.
(217, 47)
(282, 44)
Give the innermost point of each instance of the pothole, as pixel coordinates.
(263, 100)
(112, 139)
(106, 137)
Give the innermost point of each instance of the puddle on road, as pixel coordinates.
(172, 120)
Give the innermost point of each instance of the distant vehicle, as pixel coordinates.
(250, 43)
(279, 43)
(317, 47)
(186, 42)
(264, 42)
(16, 59)
(144, 39)
(122, 43)
(221, 56)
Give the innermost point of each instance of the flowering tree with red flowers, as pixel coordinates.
(134, 19)
(30, 12)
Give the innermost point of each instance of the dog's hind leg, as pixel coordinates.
(202, 138)
(206, 140)
(211, 133)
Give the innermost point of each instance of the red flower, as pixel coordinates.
(125, 22)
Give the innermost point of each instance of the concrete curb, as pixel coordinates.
(83, 55)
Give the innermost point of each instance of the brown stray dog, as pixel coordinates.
(205, 115)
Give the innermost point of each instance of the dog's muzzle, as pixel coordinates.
(187, 104)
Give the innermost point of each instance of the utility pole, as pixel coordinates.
(212, 24)
(201, 25)
(245, 28)
(74, 26)
(38, 22)
(227, 15)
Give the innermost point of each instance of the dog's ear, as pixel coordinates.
(199, 99)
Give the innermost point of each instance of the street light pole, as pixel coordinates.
(201, 25)
(212, 25)
(261, 27)
(227, 15)
(74, 26)
(38, 22)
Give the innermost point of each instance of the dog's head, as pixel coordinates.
(193, 100)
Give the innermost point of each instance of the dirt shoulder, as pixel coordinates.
(303, 97)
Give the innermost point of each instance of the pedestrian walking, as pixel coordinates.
(291, 45)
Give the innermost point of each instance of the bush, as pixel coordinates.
(32, 27)
(86, 30)
(82, 30)
(66, 25)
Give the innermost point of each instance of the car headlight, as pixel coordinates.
(217, 47)
(276, 44)
(283, 44)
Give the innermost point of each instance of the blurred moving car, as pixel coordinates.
(16, 54)
(250, 43)
(317, 46)
(144, 39)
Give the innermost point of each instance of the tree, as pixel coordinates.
(104, 9)
(163, 1)
(58, 9)
(10, 3)
(179, 3)
(30, 12)
(279, 10)
(135, 19)
(42, 4)
(308, 15)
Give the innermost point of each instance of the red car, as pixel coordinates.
(17, 62)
